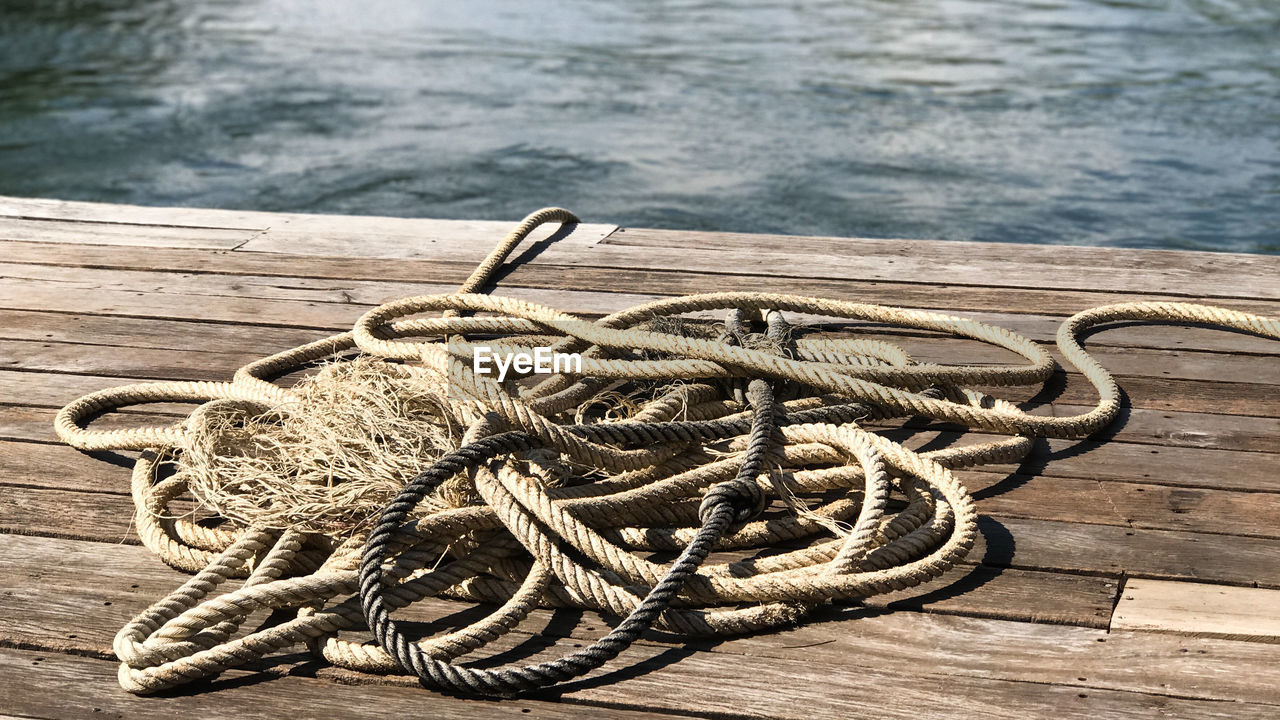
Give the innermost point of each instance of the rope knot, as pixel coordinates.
(744, 495)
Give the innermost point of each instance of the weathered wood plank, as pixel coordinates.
(1153, 387)
(1130, 462)
(1166, 428)
(767, 688)
(1197, 393)
(1136, 552)
(163, 333)
(406, 231)
(1127, 504)
(533, 272)
(51, 466)
(52, 686)
(1193, 468)
(116, 234)
(1137, 425)
(129, 577)
(1009, 594)
(657, 679)
(1199, 609)
(1026, 652)
(344, 234)
(316, 235)
(95, 516)
(73, 595)
(616, 292)
(1084, 258)
(25, 295)
(1211, 276)
(53, 390)
(1188, 429)
(699, 660)
(394, 238)
(1023, 543)
(47, 209)
(1186, 281)
(71, 359)
(1129, 362)
(1177, 466)
(27, 424)
(35, 425)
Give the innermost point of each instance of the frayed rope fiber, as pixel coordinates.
(391, 472)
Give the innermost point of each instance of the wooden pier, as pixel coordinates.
(1131, 575)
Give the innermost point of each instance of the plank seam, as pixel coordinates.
(84, 221)
(1131, 294)
(586, 315)
(1121, 582)
(251, 238)
(725, 271)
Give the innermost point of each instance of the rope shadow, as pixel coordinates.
(1000, 548)
(999, 554)
(527, 256)
(1041, 456)
(1179, 324)
(664, 659)
(111, 457)
(1031, 467)
(1051, 390)
(560, 628)
(257, 672)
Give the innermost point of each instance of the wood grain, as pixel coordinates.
(42, 285)
(1184, 280)
(1169, 428)
(127, 577)
(37, 684)
(49, 209)
(1179, 501)
(1199, 609)
(79, 330)
(653, 680)
(75, 594)
(1055, 546)
(393, 238)
(1084, 258)
(530, 269)
(120, 234)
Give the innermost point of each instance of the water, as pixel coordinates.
(1142, 124)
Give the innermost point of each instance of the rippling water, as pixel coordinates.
(1111, 123)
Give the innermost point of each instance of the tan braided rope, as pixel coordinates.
(886, 518)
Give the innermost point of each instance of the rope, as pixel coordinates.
(560, 506)
(736, 501)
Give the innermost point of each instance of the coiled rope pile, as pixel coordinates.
(400, 474)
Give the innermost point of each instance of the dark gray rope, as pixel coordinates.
(725, 505)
